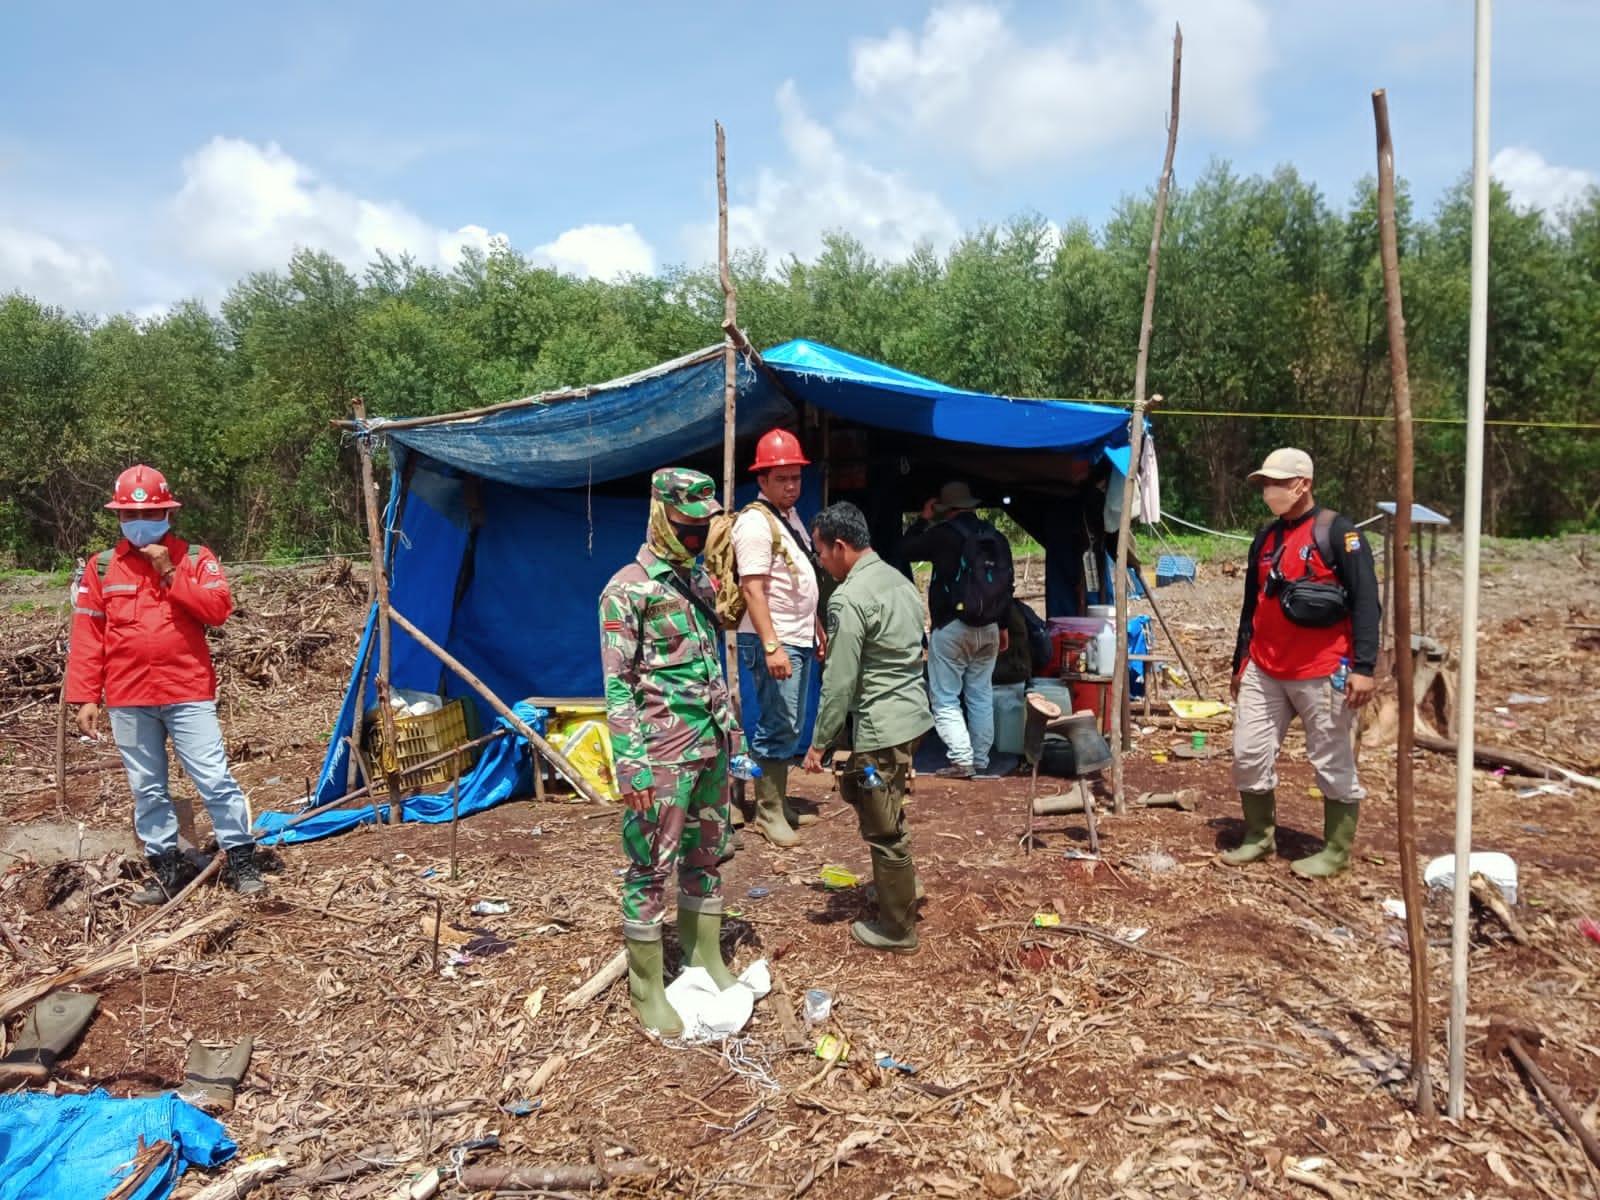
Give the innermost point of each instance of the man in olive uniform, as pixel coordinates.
(873, 683)
(672, 727)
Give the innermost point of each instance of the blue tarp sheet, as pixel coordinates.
(873, 393)
(71, 1147)
(504, 769)
(525, 618)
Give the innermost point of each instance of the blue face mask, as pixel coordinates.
(146, 533)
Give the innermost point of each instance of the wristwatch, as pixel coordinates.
(770, 647)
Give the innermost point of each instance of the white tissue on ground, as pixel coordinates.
(709, 1014)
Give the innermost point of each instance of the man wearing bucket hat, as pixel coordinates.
(1307, 646)
(672, 731)
(969, 597)
(780, 635)
(140, 612)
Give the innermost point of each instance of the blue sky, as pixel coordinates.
(158, 152)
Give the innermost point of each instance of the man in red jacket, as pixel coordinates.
(1307, 647)
(140, 612)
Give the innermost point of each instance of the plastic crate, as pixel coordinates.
(417, 740)
(1170, 568)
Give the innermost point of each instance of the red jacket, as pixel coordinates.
(140, 643)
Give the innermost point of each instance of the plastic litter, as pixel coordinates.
(1046, 920)
(521, 1108)
(1591, 930)
(889, 1064)
(818, 1005)
(759, 893)
(1524, 698)
(1395, 908)
(838, 877)
(491, 908)
(1492, 865)
(829, 1046)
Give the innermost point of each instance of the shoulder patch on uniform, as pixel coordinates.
(611, 626)
(1352, 542)
(212, 568)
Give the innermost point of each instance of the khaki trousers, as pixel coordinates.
(1266, 706)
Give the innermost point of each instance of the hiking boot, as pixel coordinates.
(242, 867)
(1260, 829)
(954, 771)
(770, 822)
(795, 819)
(1339, 819)
(700, 935)
(647, 995)
(170, 873)
(895, 929)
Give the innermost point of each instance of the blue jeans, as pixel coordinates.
(782, 702)
(141, 735)
(961, 662)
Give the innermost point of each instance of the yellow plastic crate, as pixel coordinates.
(417, 740)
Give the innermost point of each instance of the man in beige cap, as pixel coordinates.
(1307, 645)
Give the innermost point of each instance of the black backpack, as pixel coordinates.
(981, 589)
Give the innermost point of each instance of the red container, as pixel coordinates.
(1096, 697)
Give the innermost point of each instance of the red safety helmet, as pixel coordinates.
(779, 448)
(142, 489)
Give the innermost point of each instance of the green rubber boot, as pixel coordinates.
(1339, 819)
(795, 818)
(895, 930)
(647, 994)
(1260, 829)
(770, 822)
(700, 935)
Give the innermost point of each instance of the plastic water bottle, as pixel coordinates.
(742, 766)
(1339, 677)
(870, 779)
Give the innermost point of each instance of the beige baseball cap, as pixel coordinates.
(1287, 463)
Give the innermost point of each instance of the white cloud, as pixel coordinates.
(972, 84)
(598, 251)
(820, 189)
(244, 207)
(38, 265)
(1537, 184)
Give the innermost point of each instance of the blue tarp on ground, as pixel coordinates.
(519, 610)
(504, 769)
(71, 1147)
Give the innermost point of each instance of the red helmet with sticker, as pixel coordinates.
(142, 489)
(779, 448)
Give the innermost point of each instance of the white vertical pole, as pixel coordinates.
(1471, 533)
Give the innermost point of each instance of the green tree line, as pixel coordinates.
(1269, 304)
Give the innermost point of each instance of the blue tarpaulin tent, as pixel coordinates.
(505, 523)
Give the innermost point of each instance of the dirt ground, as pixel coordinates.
(1253, 1038)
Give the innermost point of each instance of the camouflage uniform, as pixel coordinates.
(671, 719)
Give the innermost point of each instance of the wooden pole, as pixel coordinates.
(61, 753)
(557, 759)
(1405, 809)
(455, 818)
(388, 761)
(1119, 678)
(730, 387)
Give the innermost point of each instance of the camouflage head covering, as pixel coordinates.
(690, 492)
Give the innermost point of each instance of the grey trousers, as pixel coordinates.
(1261, 719)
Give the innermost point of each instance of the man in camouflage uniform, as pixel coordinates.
(672, 729)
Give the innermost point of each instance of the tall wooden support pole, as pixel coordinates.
(1405, 808)
(388, 762)
(1471, 529)
(730, 385)
(1119, 676)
